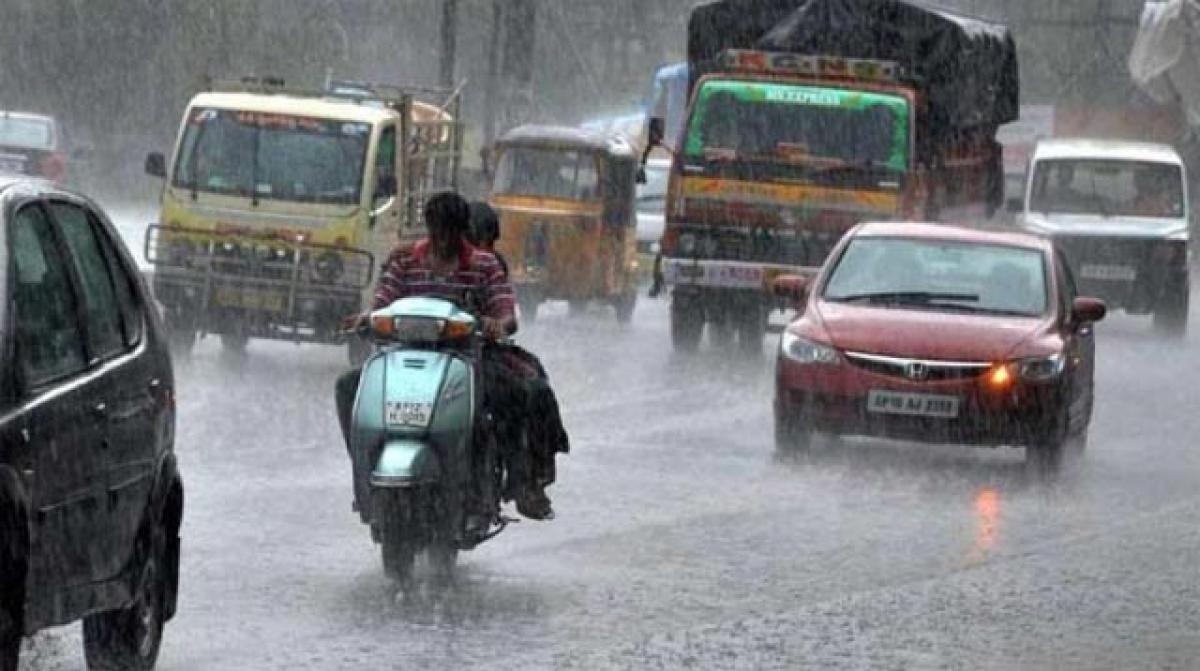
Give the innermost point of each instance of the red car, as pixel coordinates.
(939, 334)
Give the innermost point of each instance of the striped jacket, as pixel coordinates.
(478, 284)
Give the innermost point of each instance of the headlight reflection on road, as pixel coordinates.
(987, 524)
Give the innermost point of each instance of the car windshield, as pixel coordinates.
(552, 173)
(25, 132)
(1107, 188)
(823, 126)
(273, 156)
(940, 275)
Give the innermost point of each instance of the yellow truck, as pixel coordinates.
(279, 204)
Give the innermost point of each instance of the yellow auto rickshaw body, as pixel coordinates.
(568, 227)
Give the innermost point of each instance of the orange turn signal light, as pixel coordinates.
(454, 330)
(384, 327)
(1000, 377)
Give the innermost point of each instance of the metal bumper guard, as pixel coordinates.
(726, 274)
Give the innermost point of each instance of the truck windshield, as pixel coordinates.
(815, 125)
(273, 156)
(1107, 188)
(552, 173)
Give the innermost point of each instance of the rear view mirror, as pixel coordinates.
(156, 165)
(1088, 310)
(791, 288)
(656, 132)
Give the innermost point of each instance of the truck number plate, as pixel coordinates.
(404, 413)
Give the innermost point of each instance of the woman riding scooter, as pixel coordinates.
(547, 436)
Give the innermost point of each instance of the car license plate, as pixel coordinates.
(250, 300)
(1095, 271)
(405, 413)
(920, 405)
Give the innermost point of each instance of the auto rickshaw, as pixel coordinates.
(565, 198)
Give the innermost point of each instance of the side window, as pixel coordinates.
(385, 154)
(125, 285)
(99, 298)
(49, 344)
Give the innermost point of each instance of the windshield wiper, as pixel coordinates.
(908, 298)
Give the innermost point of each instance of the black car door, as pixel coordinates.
(59, 406)
(113, 335)
(1081, 348)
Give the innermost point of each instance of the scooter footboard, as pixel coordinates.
(406, 463)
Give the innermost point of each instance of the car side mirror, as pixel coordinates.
(156, 165)
(656, 132)
(1015, 205)
(386, 186)
(1088, 310)
(790, 288)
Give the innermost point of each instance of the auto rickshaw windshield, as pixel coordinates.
(548, 172)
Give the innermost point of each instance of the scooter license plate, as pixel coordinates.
(405, 413)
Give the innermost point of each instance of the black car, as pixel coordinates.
(90, 497)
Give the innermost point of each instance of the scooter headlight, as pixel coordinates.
(805, 351)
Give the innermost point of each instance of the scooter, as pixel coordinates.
(427, 473)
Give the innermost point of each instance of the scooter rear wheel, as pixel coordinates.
(397, 534)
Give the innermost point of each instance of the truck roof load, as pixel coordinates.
(966, 66)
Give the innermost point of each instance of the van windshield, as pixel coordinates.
(814, 125)
(272, 156)
(1107, 188)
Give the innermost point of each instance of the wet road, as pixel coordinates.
(681, 542)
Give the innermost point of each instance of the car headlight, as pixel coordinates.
(803, 350)
(687, 244)
(1041, 369)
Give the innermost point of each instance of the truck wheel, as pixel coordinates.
(687, 324)
(397, 535)
(129, 638)
(234, 343)
(14, 554)
(1171, 314)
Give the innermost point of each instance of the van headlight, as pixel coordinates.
(805, 351)
(1042, 369)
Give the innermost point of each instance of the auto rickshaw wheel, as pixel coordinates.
(529, 308)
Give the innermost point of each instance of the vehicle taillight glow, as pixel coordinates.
(1000, 377)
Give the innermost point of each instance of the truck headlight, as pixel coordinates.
(805, 351)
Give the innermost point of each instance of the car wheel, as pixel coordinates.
(128, 639)
(13, 563)
(1171, 314)
(687, 324)
(791, 439)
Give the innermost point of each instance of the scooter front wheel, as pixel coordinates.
(398, 536)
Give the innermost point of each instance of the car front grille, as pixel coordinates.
(917, 370)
